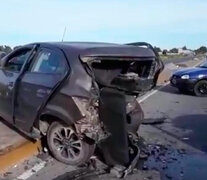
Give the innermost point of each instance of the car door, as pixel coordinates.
(9, 72)
(47, 69)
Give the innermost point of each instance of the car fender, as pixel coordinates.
(201, 79)
(63, 108)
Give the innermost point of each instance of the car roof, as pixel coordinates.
(94, 49)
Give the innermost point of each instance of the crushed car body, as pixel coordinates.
(81, 96)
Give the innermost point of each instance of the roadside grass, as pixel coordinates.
(167, 57)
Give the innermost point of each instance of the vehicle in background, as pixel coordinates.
(81, 96)
(191, 79)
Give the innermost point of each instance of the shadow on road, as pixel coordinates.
(172, 90)
(197, 123)
(15, 129)
(81, 174)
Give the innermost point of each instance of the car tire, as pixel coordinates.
(200, 88)
(66, 146)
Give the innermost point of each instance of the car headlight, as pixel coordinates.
(185, 77)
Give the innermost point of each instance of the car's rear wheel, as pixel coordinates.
(66, 146)
(200, 89)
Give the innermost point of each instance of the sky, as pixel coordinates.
(163, 23)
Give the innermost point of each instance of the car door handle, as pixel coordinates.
(41, 91)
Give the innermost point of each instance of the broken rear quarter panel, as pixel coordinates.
(63, 107)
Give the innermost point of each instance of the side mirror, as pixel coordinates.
(2, 55)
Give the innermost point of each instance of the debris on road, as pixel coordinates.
(153, 121)
(162, 158)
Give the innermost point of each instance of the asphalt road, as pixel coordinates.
(185, 115)
(185, 118)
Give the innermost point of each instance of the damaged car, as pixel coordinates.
(80, 96)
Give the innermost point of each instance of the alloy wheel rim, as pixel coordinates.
(203, 88)
(66, 143)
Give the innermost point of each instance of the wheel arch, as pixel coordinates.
(48, 117)
(60, 108)
(205, 79)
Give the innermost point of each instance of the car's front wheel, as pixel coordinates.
(200, 89)
(66, 146)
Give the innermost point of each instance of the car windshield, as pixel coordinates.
(203, 65)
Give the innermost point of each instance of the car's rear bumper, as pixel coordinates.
(187, 84)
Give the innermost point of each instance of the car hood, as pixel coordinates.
(189, 71)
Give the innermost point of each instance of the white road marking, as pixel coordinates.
(151, 93)
(32, 171)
